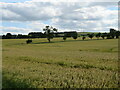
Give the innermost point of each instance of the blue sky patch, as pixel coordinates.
(14, 24)
(113, 8)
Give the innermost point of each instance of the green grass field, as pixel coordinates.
(68, 64)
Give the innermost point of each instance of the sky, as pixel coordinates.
(24, 16)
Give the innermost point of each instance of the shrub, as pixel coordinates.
(28, 41)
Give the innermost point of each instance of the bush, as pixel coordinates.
(28, 41)
(64, 38)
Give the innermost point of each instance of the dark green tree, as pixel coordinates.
(8, 36)
(3, 37)
(83, 38)
(65, 36)
(49, 32)
(91, 35)
(74, 35)
(98, 35)
(117, 34)
(112, 33)
(103, 35)
(109, 36)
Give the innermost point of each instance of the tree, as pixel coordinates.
(109, 36)
(83, 38)
(103, 35)
(117, 34)
(91, 35)
(8, 36)
(3, 37)
(98, 35)
(19, 36)
(49, 32)
(74, 35)
(112, 33)
(54, 29)
(65, 36)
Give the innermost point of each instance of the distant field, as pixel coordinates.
(70, 63)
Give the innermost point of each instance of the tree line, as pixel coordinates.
(50, 33)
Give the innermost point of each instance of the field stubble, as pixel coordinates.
(71, 63)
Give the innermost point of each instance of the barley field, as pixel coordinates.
(60, 64)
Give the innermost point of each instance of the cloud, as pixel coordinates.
(33, 11)
(14, 30)
(75, 1)
(28, 11)
(37, 26)
(88, 19)
(87, 16)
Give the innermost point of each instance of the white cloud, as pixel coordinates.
(75, 1)
(88, 19)
(28, 11)
(37, 26)
(14, 30)
(75, 15)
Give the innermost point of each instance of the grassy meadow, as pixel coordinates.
(60, 64)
